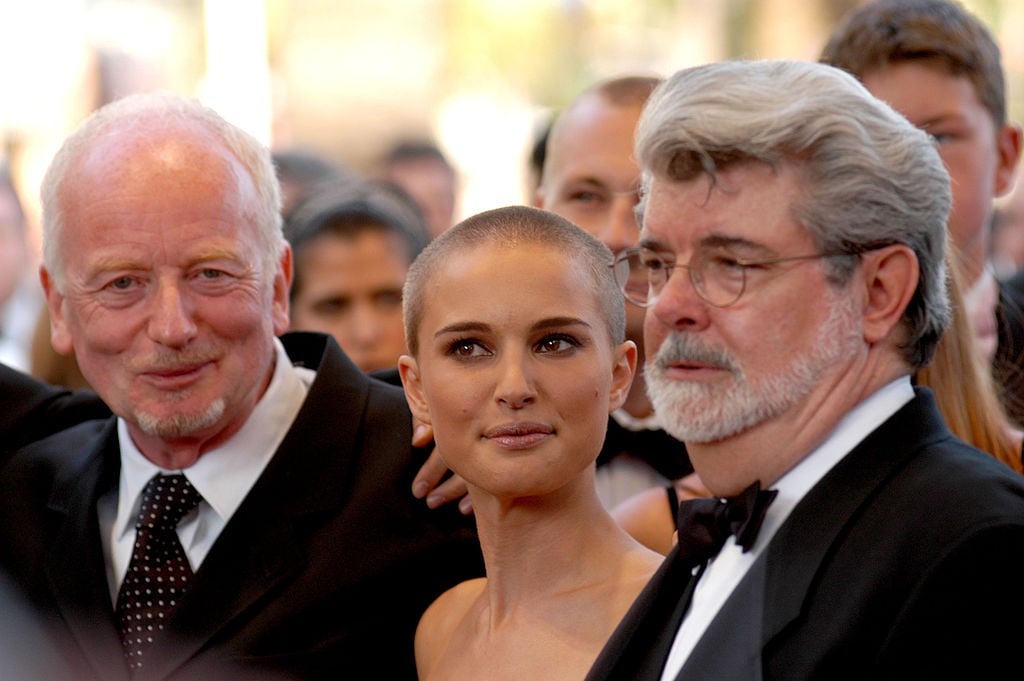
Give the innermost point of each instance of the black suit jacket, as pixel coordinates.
(903, 562)
(322, 572)
(31, 409)
(1008, 363)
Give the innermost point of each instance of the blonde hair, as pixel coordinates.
(964, 388)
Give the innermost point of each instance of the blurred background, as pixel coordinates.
(349, 78)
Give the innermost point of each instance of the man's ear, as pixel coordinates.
(623, 370)
(538, 197)
(409, 371)
(60, 336)
(890, 277)
(1008, 143)
(282, 291)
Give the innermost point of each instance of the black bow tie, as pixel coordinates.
(705, 524)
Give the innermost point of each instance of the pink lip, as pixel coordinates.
(690, 369)
(174, 375)
(521, 435)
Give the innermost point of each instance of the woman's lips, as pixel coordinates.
(521, 435)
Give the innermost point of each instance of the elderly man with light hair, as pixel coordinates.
(245, 513)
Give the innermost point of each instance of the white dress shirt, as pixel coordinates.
(724, 572)
(223, 476)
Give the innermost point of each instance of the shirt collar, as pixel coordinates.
(856, 425)
(224, 475)
(635, 423)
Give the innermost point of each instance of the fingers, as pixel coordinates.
(429, 474)
(451, 489)
(427, 483)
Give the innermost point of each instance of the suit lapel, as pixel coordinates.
(772, 594)
(230, 581)
(795, 554)
(259, 548)
(75, 565)
(738, 629)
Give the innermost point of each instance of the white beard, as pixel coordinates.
(701, 412)
(180, 425)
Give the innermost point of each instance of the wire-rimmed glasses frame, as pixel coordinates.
(718, 278)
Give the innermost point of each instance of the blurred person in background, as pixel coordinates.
(962, 381)
(537, 154)
(353, 243)
(299, 171)
(590, 177)
(938, 65)
(1007, 245)
(20, 296)
(426, 174)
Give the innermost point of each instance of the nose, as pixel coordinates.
(515, 388)
(679, 306)
(621, 230)
(358, 332)
(365, 324)
(172, 322)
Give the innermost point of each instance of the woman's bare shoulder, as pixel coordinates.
(440, 620)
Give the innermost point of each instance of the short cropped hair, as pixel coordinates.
(626, 90)
(870, 178)
(412, 151)
(348, 209)
(508, 228)
(138, 112)
(943, 32)
(622, 92)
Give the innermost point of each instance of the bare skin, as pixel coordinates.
(754, 204)
(517, 379)
(505, 626)
(649, 519)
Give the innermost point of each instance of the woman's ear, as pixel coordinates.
(409, 371)
(623, 370)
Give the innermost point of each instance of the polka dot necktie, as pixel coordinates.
(158, 573)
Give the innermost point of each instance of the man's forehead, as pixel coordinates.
(588, 122)
(724, 207)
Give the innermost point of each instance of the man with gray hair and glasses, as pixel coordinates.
(791, 264)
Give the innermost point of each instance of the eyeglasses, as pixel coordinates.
(718, 277)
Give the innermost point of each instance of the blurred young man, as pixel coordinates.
(353, 245)
(939, 66)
